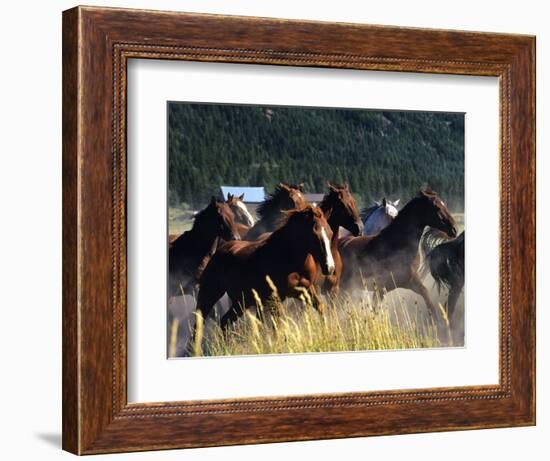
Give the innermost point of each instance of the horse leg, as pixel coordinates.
(231, 316)
(377, 298)
(210, 291)
(379, 291)
(331, 289)
(331, 286)
(416, 285)
(315, 300)
(296, 284)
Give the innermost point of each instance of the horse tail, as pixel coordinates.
(435, 263)
(431, 239)
(445, 262)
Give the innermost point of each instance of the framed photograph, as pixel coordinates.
(264, 230)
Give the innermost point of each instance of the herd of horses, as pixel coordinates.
(322, 249)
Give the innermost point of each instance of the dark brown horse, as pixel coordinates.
(189, 254)
(242, 268)
(391, 259)
(444, 259)
(340, 210)
(285, 197)
(243, 219)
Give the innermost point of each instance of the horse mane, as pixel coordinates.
(409, 208)
(432, 238)
(329, 196)
(287, 215)
(270, 203)
(423, 193)
(202, 214)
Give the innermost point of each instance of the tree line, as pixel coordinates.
(379, 153)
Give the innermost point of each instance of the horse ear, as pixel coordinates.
(229, 196)
(331, 187)
(241, 197)
(346, 185)
(301, 186)
(282, 186)
(427, 192)
(384, 202)
(396, 202)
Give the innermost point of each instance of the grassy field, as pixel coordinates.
(296, 327)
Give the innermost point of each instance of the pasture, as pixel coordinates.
(294, 327)
(180, 219)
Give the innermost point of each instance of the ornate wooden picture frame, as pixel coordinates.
(97, 44)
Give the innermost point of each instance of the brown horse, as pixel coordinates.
(391, 259)
(340, 210)
(241, 268)
(285, 197)
(189, 254)
(243, 219)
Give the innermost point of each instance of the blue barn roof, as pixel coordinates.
(251, 194)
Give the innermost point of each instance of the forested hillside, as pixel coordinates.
(389, 153)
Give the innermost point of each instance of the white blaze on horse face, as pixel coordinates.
(249, 217)
(328, 252)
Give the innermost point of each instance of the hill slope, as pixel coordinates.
(390, 153)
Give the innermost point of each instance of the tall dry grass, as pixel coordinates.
(344, 325)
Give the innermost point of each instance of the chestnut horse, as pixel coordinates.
(285, 197)
(243, 219)
(340, 210)
(189, 254)
(239, 268)
(391, 259)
